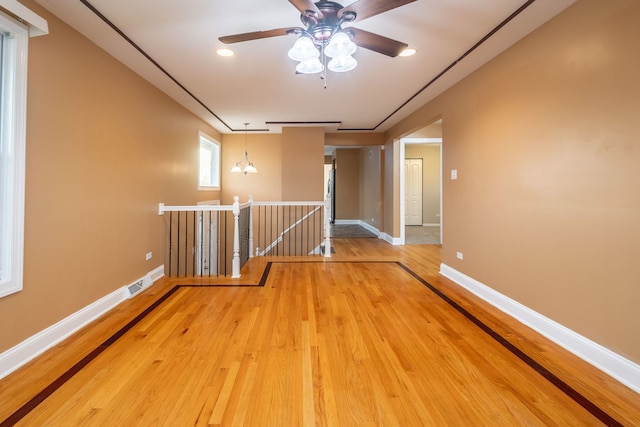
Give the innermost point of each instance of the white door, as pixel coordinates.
(413, 191)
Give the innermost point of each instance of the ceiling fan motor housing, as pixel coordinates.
(324, 27)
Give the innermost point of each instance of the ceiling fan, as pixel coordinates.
(322, 21)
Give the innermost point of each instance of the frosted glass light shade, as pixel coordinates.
(310, 66)
(303, 49)
(340, 45)
(342, 64)
(250, 168)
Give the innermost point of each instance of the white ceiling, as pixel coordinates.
(259, 85)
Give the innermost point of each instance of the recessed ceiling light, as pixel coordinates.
(408, 52)
(224, 52)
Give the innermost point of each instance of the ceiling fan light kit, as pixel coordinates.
(323, 35)
(340, 48)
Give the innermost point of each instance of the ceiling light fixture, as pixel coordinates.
(322, 35)
(224, 52)
(245, 166)
(408, 52)
(311, 52)
(324, 38)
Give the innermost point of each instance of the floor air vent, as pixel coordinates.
(134, 288)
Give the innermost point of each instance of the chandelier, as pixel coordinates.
(245, 166)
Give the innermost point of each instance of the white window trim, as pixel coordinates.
(202, 135)
(13, 146)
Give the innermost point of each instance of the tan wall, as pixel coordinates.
(290, 166)
(432, 131)
(430, 155)
(354, 139)
(104, 147)
(347, 183)
(302, 164)
(265, 152)
(370, 186)
(546, 208)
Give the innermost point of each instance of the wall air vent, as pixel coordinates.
(135, 288)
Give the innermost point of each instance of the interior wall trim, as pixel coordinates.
(395, 241)
(42, 341)
(613, 364)
(480, 42)
(361, 223)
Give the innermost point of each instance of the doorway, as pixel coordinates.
(421, 173)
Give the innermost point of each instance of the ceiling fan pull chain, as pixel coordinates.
(323, 76)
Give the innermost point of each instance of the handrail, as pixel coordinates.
(236, 207)
(304, 203)
(288, 229)
(162, 208)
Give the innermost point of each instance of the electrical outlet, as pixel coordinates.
(459, 255)
(148, 256)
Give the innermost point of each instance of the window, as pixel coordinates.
(13, 83)
(209, 163)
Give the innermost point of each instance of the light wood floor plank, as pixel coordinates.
(352, 340)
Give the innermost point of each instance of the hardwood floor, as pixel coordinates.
(372, 336)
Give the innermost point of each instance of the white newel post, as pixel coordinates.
(327, 226)
(250, 226)
(235, 263)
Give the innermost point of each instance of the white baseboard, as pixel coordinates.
(396, 241)
(623, 370)
(370, 227)
(361, 223)
(347, 222)
(156, 273)
(37, 344)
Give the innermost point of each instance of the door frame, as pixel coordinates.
(404, 141)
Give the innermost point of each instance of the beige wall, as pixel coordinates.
(347, 184)
(370, 186)
(432, 131)
(104, 147)
(354, 139)
(430, 155)
(546, 208)
(302, 164)
(290, 166)
(265, 152)
(359, 190)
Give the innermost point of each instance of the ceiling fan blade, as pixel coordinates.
(367, 8)
(260, 35)
(377, 43)
(304, 5)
